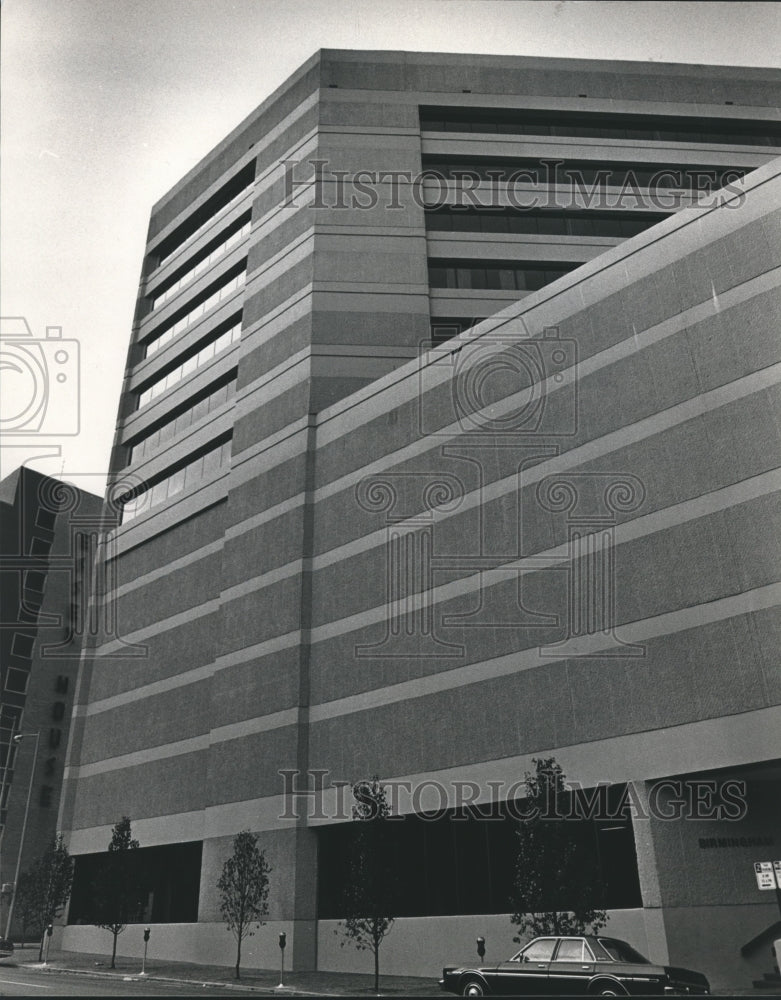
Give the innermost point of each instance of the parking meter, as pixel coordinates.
(147, 935)
(282, 943)
(481, 947)
(49, 932)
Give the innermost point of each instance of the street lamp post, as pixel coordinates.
(18, 739)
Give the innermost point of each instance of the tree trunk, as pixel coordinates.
(376, 967)
(114, 949)
(238, 958)
(40, 947)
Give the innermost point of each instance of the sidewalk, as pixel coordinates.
(258, 981)
(252, 980)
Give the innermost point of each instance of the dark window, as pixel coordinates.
(210, 208)
(170, 875)
(437, 277)
(575, 223)
(620, 951)
(22, 645)
(602, 125)
(499, 275)
(16, 680)
(45, 519)
(575, 174)
(462, 862)
(34, 580)
(39, 546)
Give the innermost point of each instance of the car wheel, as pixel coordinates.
(610, 991)
(472, 988)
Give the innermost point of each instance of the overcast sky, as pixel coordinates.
(106, 103)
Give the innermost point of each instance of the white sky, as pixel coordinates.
(106, 103)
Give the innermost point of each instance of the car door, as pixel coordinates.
(528, 972)
(571, 969)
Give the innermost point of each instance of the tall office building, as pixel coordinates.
(446, 442)
(47, 540)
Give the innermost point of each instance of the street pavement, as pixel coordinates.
(80, 975)
(24, 981)
(77, 974)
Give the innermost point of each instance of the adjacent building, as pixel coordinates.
(447, 441)
(48, 533)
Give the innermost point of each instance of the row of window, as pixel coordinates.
(231, 192)
(219, 294)
(573, 173)
(146, 446)
(183, 478)
(206, 352)
(505, 275)
(544, 223)
(600, 126)
(460, 863)
(202, 265)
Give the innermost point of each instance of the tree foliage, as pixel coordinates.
(118, 895)
(371, 894)
(243, 888)
(557, 886)
(44, 889)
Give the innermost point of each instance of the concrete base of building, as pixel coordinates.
(202, 943)
(706, 938)
(422, 945)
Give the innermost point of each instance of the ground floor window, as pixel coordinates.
(170, 876)
(462, 861)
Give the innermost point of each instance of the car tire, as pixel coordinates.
(472, 988)
(609, 990)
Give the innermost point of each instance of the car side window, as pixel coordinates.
(540, 950)
(570, 950)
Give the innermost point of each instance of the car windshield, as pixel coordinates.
(620, 951)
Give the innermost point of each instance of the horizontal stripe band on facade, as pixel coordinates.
(709, 744)
(702, 311)
(632, 632)
(234, 731)
(645, 428)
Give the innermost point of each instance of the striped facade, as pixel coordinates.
(351, 549)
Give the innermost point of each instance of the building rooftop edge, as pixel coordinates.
(442, 58)
(533, 61)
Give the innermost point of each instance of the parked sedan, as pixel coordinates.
(556, 966)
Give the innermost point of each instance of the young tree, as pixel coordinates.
(118, 895)
(243, 888)
(371, 893)
(44, 889)
(556, 887)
